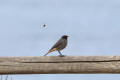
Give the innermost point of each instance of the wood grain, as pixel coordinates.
(60, 65)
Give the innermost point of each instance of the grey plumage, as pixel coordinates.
(60, 44)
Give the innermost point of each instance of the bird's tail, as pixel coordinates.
(51, 50)
(46, 54)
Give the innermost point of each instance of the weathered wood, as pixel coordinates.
(56, 64)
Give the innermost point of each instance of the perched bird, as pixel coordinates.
(61, 44)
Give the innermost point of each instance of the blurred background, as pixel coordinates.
(93, 27)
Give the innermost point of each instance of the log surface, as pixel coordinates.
(59, 65)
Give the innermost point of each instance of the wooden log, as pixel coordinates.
(59, 65)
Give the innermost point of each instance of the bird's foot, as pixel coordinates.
(62, 55)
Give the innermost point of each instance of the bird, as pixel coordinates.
(59, 45)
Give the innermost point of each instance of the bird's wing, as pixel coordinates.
(56, 45)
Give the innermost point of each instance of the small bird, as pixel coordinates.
(60, 45)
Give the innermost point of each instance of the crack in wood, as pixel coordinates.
(75, 61)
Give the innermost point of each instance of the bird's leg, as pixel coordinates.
(60, 54)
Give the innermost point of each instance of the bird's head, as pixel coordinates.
(65, 36)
